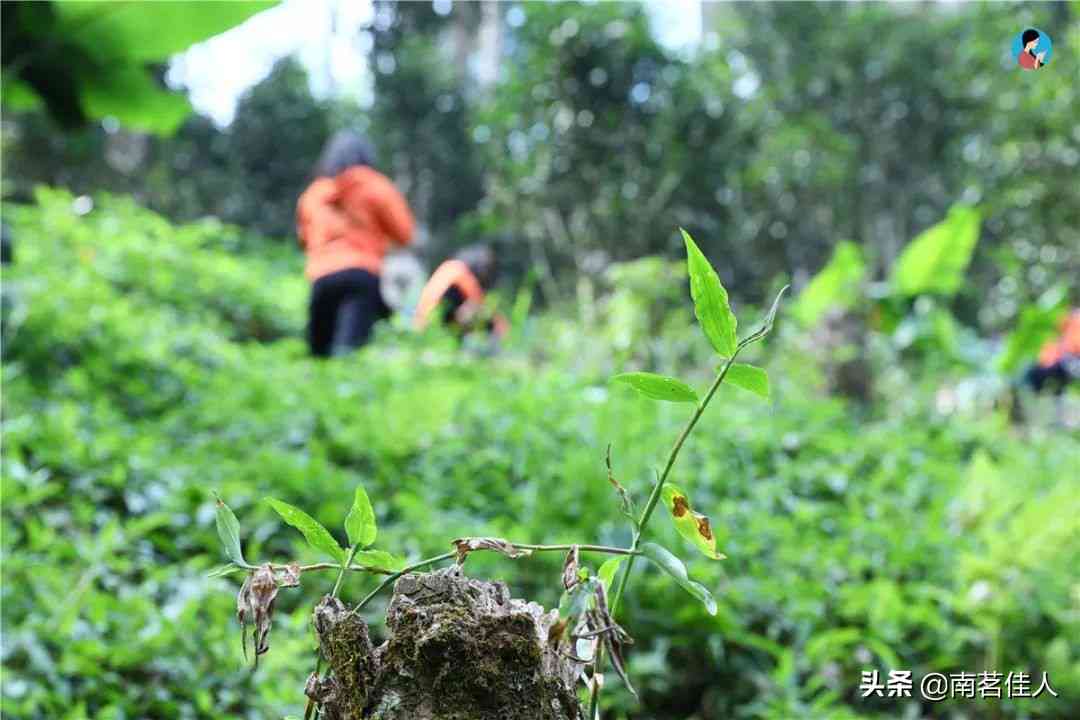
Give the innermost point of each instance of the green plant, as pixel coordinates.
(856, 537)
(585, 593)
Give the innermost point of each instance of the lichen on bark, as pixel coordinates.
(457, 649)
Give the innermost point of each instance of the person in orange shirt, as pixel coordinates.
(1059, 360)
(457, 289)
(347, 219)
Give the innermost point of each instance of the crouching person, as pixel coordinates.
(455, 294)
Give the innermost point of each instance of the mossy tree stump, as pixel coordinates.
(458, 649)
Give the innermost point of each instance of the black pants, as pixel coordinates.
(344, 308)
(1056, 376)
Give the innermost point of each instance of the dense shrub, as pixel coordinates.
(145, 365)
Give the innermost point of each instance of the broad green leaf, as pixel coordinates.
(607, 572)
(317, 536)
(141, 32)
(835, 286)
(674, 567)
(658, 387)
(935, 261)
(710, 300)
(228, 528)
(133, 97)
(360, 522)
(691, 525)
(379, 559)
(748, 377)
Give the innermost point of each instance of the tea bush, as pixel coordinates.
(145, 365)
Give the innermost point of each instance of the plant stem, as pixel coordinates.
(407, 569)
(336, 566)
(582, 548)
(341, 572)
(654, 497)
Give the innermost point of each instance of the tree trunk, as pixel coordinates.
(458, 649)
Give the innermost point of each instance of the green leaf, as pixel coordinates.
(134, 98)
(658, 387)
(223, 570)
(228, 528)
(935, 261)
(379, 559)
(674, 567)
(710, 300)
(767, 324)
(748, 377)
(573, 602)
(835, 286)
(693, 526)
(317, 536)
(360, 522)
(141, 32)
(607, 571)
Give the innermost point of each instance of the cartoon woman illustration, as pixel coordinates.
(1028, 58)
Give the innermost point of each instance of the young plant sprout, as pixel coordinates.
(590, 601)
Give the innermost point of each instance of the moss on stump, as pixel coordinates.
(458, 649)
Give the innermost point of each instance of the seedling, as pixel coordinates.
(590, 601)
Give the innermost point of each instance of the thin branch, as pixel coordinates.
(394, 576)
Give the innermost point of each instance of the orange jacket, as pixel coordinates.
(351, 221)
(452, 273)
(1067, 344)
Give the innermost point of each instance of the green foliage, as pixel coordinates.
(749, 378)
(228, 528)
(317, 536)
(937, 258)
(137, 372)
(89, 60)
(710, 301)
(1036, 324)
(674, 567)
(693, 526)
(607, 571)
(360, 522)
(378, 559)
(658, 387)
(837, 285)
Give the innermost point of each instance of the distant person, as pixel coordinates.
(456, 291)
(1059, 360)
(1028, 58)
(347, 220)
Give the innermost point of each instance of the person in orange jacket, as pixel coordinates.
(457, 287)
(1059, 360)
(347, 219)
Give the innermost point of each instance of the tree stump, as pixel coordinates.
(458, 649)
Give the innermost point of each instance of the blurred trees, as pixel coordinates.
(575, 138)
(420, 120)
(242, 174)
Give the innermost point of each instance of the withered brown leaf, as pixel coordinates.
(570, 576)
(465, 546)
(255, 602)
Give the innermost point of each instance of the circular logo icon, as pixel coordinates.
(1031, 48)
